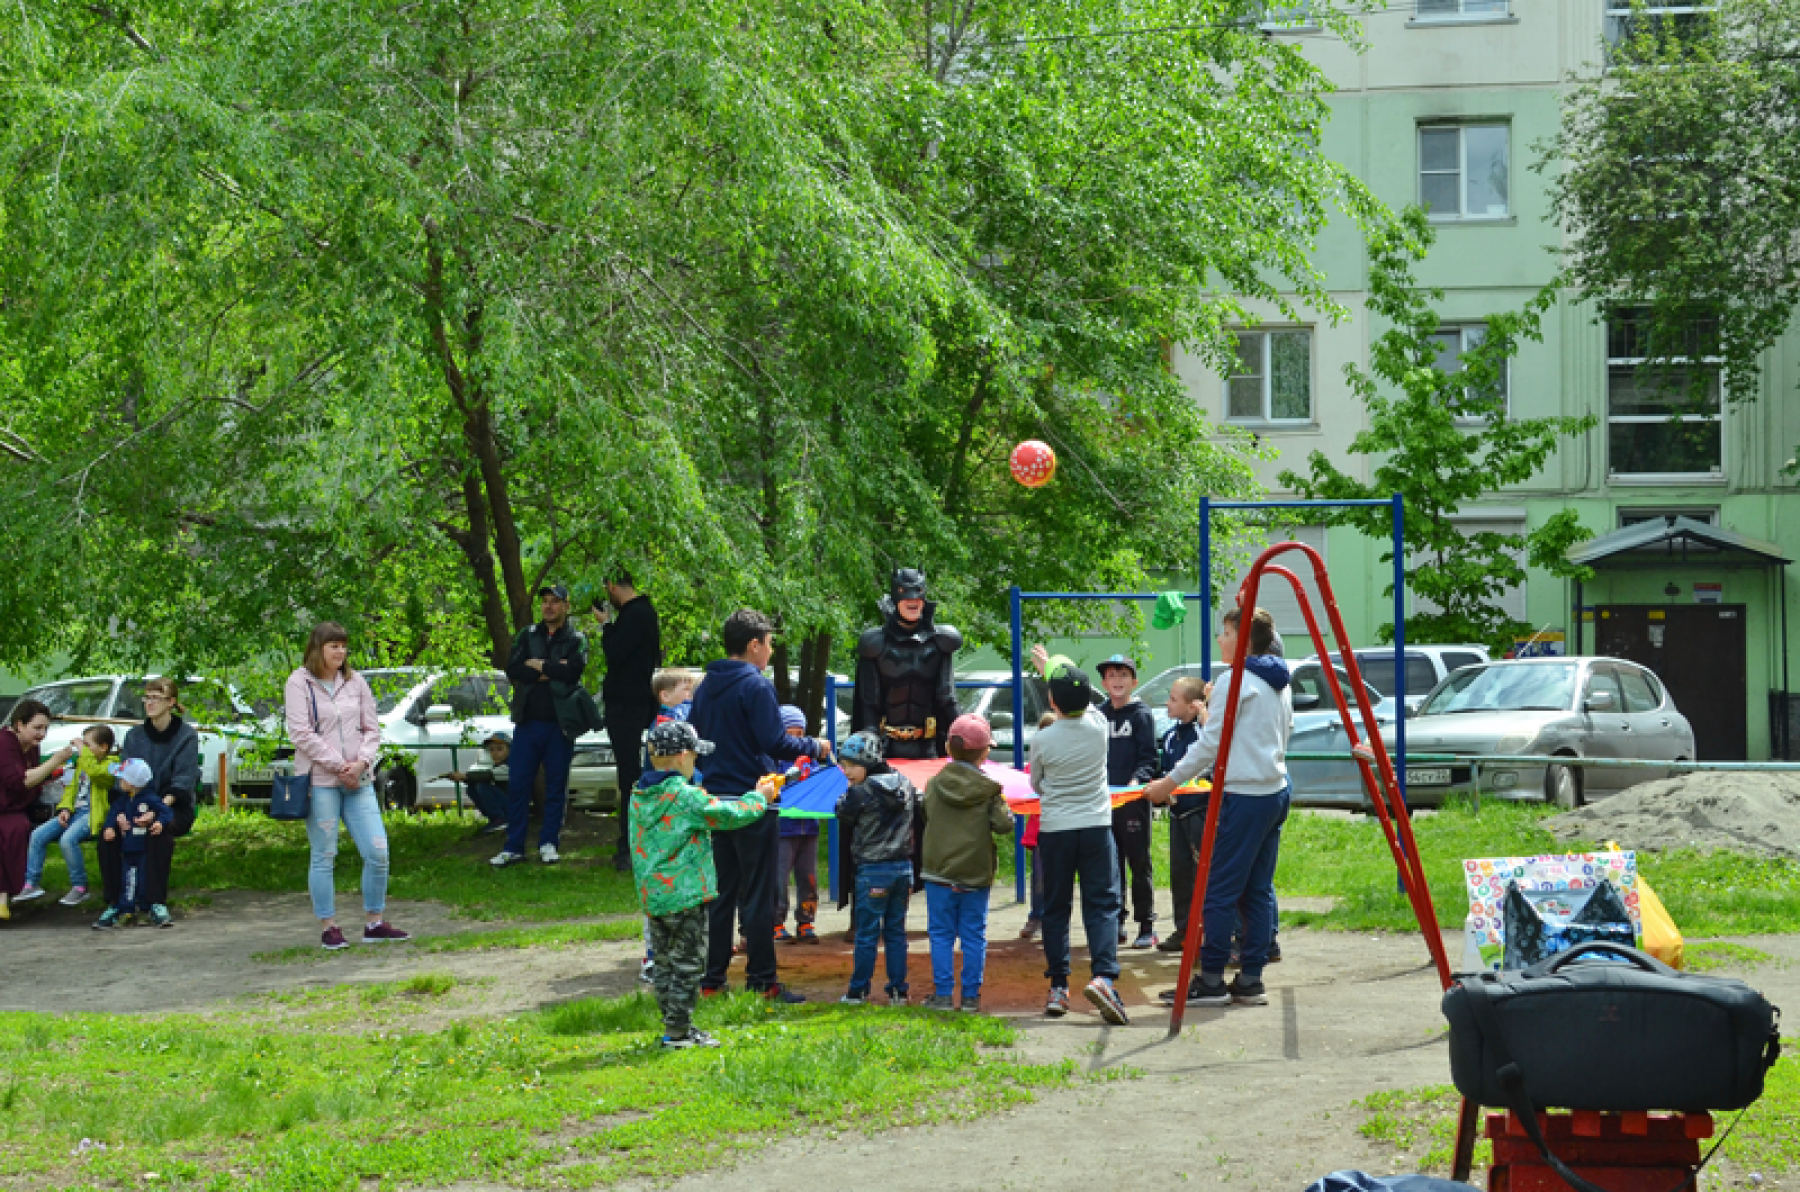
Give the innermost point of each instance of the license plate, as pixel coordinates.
(256, 776)
(1435, 777)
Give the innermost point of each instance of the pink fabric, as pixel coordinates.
(347, 726)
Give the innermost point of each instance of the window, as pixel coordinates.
(470, 695)
(1449, 10)
(1452, 342)
(1455, 661)
(1272, 379)
(1679, 20)
(1463, 170)
(1637, 517)
(1292, 16)
(1378, 672)
(85, 698)
(1602, 680)
(1640, 694)
(1309, 680)
(1662, 409)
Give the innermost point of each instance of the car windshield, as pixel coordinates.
(1155, 693)
(968, 699)
(390, 687)
(1547, 688)
(86, 697)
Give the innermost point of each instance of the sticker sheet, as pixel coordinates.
(1486, 880)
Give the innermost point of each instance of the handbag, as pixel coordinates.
(290, 795)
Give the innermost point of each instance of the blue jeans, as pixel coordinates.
(488, 799)
(70, 838)
(1087, 853)
(951, 915)
(1243, 872)
(537, 743)
(360, 812)
(882, 891)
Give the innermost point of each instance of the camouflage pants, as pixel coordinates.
(680, 944)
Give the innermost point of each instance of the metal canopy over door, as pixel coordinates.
(1699, 652)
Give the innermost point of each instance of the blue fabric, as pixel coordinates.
(1362, 1181)
(1245, 851)
(1175, 744)
(52, 831)
(883, 889)
(1270, 668)
(488, 799)
(537, 743)
(1087, 853)
(360, 811)
(819, 795)
(735, 709)
(952, 915)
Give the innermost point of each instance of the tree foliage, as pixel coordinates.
(388, 312)
(1444, 438)
(1674, 175)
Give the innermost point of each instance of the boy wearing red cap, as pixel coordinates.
(964, 810)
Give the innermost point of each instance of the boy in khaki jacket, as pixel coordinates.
(964, 810)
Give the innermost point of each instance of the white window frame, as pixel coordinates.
(1617, 12)
(1637, 515)
(1717, 475)
(1462, 169)
(1462, 330)
(1287, 16)
(1462, 15)
(1265, 337)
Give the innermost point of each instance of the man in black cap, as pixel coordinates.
(632, 643)
(905, 680)
(549, 710)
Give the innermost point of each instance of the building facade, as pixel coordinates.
(1449, 106)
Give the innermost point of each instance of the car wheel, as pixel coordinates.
(1562, 787)
(399, 789)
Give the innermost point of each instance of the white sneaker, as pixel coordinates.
(503, 858)
(74, 897)
(31, 891)
(548, 855)
(647, 971)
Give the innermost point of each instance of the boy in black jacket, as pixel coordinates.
(878, 813)
(1131, 761)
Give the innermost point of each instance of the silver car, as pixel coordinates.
(1571, 707)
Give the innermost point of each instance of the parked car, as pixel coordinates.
(1426, 667)
(1318, 728)
(439, 721)
(994, 705)
(1573, 707)
(211, 705)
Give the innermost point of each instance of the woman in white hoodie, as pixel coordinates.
(332, 723)
(1251, 812)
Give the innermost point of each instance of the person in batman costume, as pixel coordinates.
(905, 690)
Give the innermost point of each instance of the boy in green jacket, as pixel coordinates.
(672, 819)
(964, 811)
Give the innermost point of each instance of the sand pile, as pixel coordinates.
(1745, 812)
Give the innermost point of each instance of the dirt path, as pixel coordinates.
(1257, 1098)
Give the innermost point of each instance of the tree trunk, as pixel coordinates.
(481, 561)
(815, 656)
(778, 662)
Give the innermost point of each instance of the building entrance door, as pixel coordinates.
(1699, 652)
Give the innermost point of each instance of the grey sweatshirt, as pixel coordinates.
(1265, 720)
(1068, 771)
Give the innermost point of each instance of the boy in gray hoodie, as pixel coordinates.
(964, 810)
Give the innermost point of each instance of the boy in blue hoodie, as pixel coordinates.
(1253, 807)
(135, 815)
(735, 708)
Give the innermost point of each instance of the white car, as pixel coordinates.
(439, 721)
(211, 705)
(1426, 667)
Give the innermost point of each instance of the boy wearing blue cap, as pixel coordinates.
(135, 815)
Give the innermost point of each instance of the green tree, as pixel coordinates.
(1673, 175)
(1443, 437)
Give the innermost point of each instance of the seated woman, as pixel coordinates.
(22, 772)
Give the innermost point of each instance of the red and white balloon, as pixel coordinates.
(1033, 463)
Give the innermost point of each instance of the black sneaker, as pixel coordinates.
(783, 995)
(1201, 992)
(1173, 944)
(1245, 992)
(1274, 952)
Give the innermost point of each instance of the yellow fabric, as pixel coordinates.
(1662, 939)
(100, 780)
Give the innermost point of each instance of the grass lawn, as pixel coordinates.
(324, 1090)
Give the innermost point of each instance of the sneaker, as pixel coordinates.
(714, 990)
(1274, 952)
(74, 897)
(32, 890)
(806, 934)
(109, 919)
(938, 1001)
(1106, 999)
(647, 971)
(1057, 1004)
(853, 998)
(694, 1038)
(160, 916)
(333, 940)
(782, 994)
(898, 997)
(548, 855)
(1146, 939)
(782, 936)
(971, 1005)
(1173, 944)
(384, 933)
(1201, 992)
(1247, 993)
(503, 858)
(488, 829)
(1031, 929)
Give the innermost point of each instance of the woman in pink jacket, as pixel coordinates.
(331, 720)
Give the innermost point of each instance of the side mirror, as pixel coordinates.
(1412, 711)
(1600, 701)
(439, 713)
(1000, 720)
(1305, 703)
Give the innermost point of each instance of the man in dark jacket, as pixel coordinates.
(549, 710)
(632, 643)
(1131, 761)
(735, 708)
